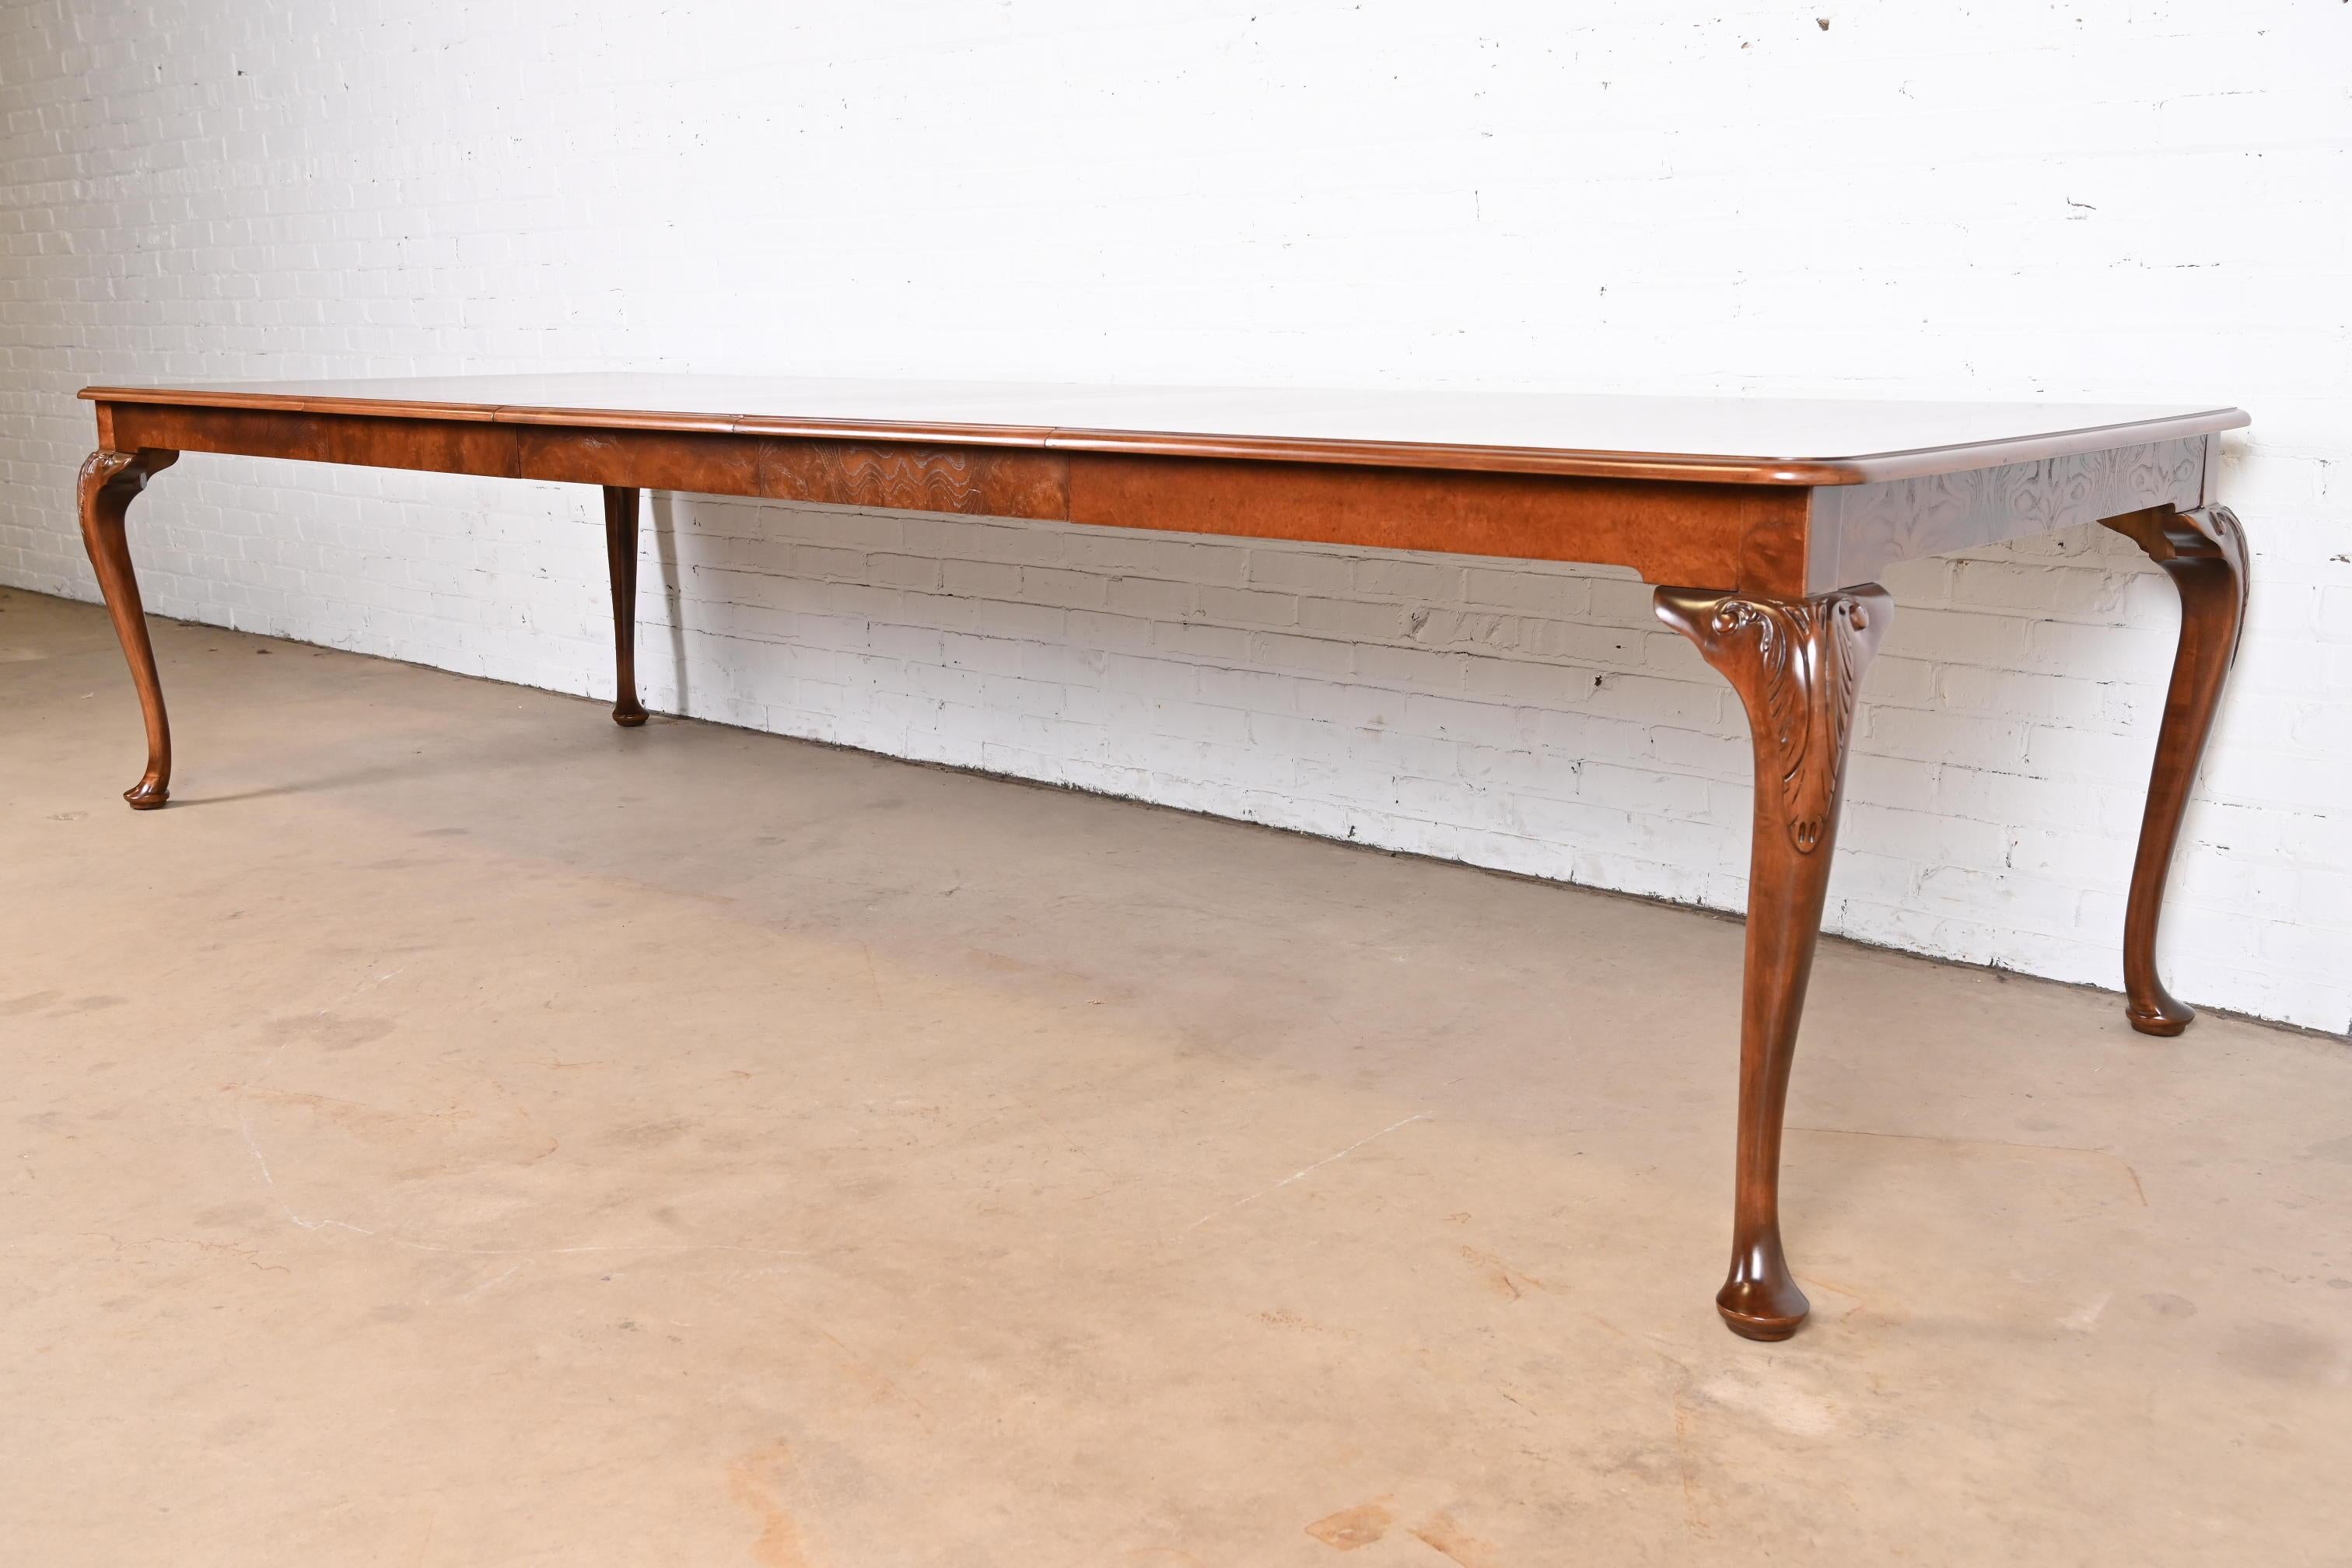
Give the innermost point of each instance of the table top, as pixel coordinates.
(1725, 439)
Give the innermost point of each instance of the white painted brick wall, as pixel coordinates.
(2010, 200)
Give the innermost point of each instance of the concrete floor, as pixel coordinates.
(458, 1131)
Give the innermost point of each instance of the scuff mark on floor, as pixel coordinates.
(1500, 1277)
(878, 1383)
(249, 1256)
(1694, 1513)
(1775, 1402)
(757, 1481)
(1442, 1533)
(2139, 1191)
(1352, 1527)
(245, 1126)
(1885, 1306)
(2086, 1318)
(1295, 1175)
(494, 1280)
(353, 1115)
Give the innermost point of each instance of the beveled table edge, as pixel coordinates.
(1688, 467)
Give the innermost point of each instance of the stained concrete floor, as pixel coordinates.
(458, 1131)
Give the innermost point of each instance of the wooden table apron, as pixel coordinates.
(1767, 566)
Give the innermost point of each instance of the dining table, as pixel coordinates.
(1762, 524)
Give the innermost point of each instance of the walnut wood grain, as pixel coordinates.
(1815, 443)
(973, 482)
(2204, 553)
(437, 445)
(1797, 664)
(1665, 530)
(110, 482)
(1752, 536)
(621, 562)
(705, 463)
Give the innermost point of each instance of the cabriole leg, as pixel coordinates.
(621, 555)
(110, 481)
(2204, 553)
(1796, 663)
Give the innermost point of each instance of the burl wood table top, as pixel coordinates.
(1736, 440)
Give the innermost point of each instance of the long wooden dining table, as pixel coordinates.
(1762, 524)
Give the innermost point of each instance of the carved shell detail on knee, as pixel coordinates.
(1806, 657)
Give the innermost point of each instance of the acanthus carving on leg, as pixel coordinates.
(1807, 655)
(110, 481)
(1797, 664)
(2204, 553)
